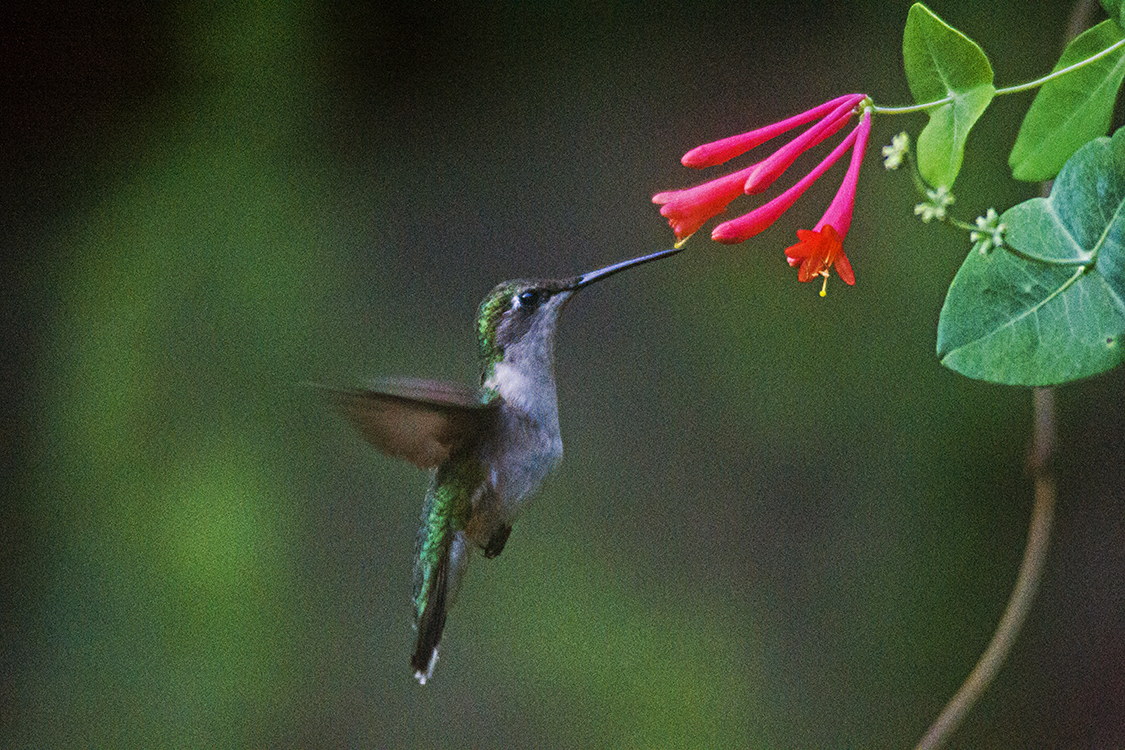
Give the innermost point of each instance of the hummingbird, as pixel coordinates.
(488, 448)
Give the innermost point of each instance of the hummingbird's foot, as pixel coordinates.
(497, 541)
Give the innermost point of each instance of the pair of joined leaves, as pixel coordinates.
(942, 64)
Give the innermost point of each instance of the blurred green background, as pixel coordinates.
(780, 522)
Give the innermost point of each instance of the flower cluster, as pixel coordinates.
(989, 232)
(937, 201)
(818, 249)
(895, 154)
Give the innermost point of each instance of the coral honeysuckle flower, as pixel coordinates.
(760, 219)
(823, 247)
(688, 209)
(816, 252)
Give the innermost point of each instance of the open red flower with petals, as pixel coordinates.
(816, 252)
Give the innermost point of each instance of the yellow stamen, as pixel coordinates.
(824, 286)
(680, 244)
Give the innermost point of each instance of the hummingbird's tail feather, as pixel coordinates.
(441, 557)
(435, 599)
(431, 623)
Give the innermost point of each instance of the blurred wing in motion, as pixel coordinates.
(423, 421)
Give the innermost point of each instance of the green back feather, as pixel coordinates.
(446, 511)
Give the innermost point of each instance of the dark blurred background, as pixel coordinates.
(780, 521)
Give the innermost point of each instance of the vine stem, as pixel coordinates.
(1008, 90)
(1031, 571)
(1063, 71)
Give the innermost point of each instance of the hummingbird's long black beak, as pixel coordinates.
(601, 273)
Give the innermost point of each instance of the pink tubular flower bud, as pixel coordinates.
(717, 152)
(769, 169)
(688, 209)
(839, 212)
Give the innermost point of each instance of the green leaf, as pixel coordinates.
(1071, 109)
(1115, 9)
(1049, 307)
(942, 63)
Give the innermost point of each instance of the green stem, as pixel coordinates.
(911, 108)
(1060, 72)
(1009, 90)
(916, 175)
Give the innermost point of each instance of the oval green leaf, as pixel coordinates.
(1049, 307)
(1115, 9)
(942, 63)
(1072, 109)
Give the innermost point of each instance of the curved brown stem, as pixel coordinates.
(1027, 583)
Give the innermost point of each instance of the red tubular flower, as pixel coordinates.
(839, 213)
(816, 252)
(687, 210)
(820, 248)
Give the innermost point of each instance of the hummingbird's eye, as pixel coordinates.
(531, 298)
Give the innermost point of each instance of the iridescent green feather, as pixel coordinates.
(488, 319)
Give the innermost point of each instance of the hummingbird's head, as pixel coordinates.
(521, 314)
(516, 324)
